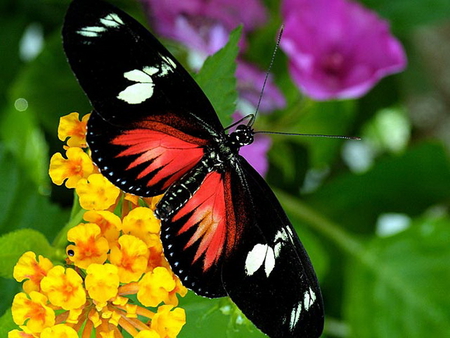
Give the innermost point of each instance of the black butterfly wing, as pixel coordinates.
(139, 92)
(269, 275)
(233, 238)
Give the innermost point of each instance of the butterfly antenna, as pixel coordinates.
(344, 137)
(266, 78)
(251, 117)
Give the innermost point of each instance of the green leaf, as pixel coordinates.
(11, 30)
(219, 317)
(398, 287)
(6, 323)
(23, 206)
(16, 243)
(217, 78)
(49, 86)
(23, 137)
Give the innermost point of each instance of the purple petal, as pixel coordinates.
(256, 153)
(337, 48)
(250, 82)
(201, 25)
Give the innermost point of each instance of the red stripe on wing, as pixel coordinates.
(211, 214)
(166, 152)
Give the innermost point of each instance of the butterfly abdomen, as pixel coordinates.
(180, 192)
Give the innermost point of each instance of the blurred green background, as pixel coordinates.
(373, 215)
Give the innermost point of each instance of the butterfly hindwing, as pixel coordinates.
(233, 238)
(269, 272)
(198, 238)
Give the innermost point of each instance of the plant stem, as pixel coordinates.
(331, 230)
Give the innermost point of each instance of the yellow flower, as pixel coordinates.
(108, 222)
(71, 127)
(77, 165)
(102, 282)
(148, 334)
(155, 287)
(115, 257)
(96, 192)
(168, 323)
(141, 222)
(29, 268)
(110, 334)
(32, 311)
(131, 257)
(155, 247)
(59, 331)
(64, 288)
(21, 334)
(89, 245)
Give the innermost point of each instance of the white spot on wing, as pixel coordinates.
(136, 93)
(91, 31)
(109, 21)
(143, 88)
(167, 66)
(260, 255)
(263, 254)
(255, 259)
(295, 316)
(269, 262)
(309, 298)
(138, 75)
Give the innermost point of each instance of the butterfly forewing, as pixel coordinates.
(126, 73)
(138, 89)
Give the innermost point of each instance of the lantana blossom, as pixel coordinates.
(31, 270)
(70, 170)
(89, 247)
(338, 49)
(73, 130)
(32, 310)
(104, 266)
(96, 192)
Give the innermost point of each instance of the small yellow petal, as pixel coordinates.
(96, 192)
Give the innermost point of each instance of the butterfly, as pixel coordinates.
(153, 131)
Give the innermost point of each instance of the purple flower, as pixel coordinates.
(250, 81)
(337, 48)
(256, 153)
(204, 25)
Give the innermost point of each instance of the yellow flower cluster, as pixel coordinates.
(114, 254)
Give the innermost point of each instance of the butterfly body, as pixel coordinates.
(217, 158)
(152, 132)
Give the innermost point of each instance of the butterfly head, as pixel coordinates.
(242, 136)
